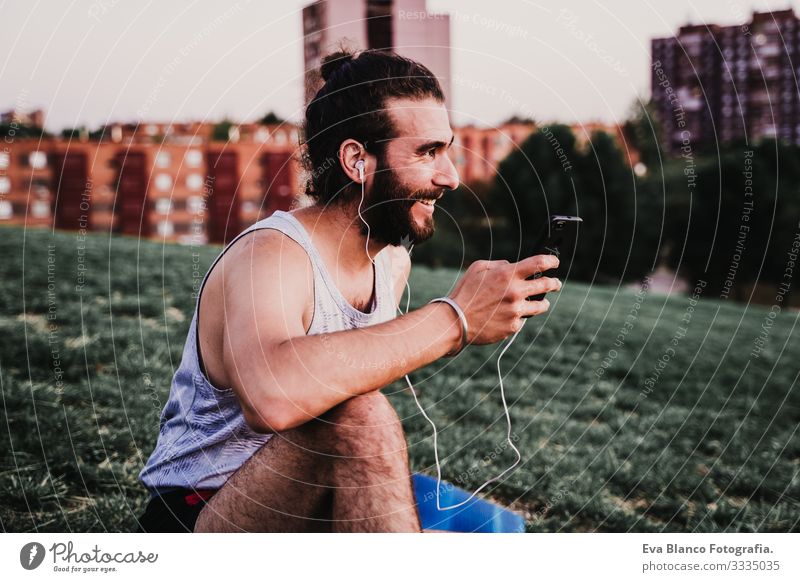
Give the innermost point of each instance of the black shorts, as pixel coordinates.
(174, 511)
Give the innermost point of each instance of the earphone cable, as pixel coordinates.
(422, 410)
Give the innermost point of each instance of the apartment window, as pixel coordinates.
(262, 135)
(37, 160)
(101, 207)
(249, 206)
(312, 17)
(193, 158)
(40, 209)
(163, 205)
(6, 210)
(5, 185)
(379, 24)
(280, 137)
(312, 50)
(41, 190)
(5, 160)
(770, 50)
(164, 182)
(165, 228)
(163, 159)
(194, 204)
(182, 228)
(194, 182)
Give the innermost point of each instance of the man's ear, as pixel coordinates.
(351, 152)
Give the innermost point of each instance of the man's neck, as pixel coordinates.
(340, 226)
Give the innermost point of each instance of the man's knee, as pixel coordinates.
(371, 410)
(367, 423)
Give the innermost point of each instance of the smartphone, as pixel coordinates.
(558, 237)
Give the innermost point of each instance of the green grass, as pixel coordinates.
(713, 447)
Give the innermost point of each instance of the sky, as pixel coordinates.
(90, 62)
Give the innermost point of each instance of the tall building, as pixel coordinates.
(403, 26)
(715, 84)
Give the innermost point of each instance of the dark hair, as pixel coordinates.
(351, 104)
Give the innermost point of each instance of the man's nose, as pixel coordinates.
(446, 174)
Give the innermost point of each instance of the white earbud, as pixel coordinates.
(360, 166)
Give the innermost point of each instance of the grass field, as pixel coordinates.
(633, 412)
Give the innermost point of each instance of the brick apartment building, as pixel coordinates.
(186, 188)
(477, 151)
(166, 181)
(721, 83)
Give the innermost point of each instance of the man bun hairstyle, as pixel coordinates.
(334, 62)
(352, 104)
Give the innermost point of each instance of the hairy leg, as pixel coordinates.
(372, 480)
(346, 471)
(283, 487)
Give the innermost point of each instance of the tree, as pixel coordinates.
(20, 130)
(271, 119)
(221, 131)
(519, 119)
(73, 133)
(613, 246)
(550, 175)
(643, 132)
(731, 215)
(533, 182)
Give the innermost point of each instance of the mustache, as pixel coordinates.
(427, 193)
(391, 189)
(422, 194)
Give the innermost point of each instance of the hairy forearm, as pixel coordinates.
(312, 374)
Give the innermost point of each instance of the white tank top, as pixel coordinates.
(203, 437)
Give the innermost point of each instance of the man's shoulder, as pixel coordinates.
(265, 243)
(269, 250)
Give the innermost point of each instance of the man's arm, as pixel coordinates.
(284, 378)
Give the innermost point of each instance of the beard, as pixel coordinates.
(388, 212)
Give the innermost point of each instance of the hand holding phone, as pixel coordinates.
(558, 237)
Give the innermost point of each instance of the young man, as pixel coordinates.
(275, 421)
